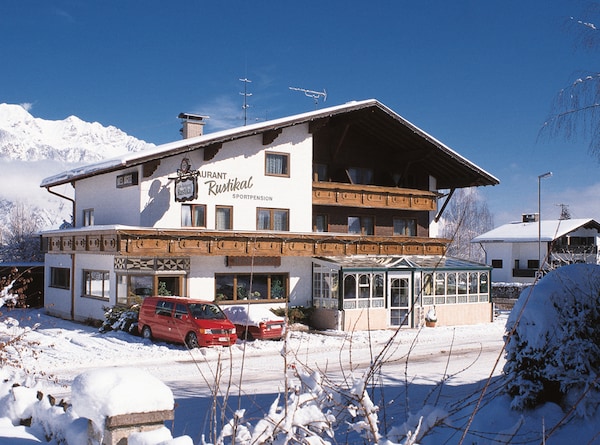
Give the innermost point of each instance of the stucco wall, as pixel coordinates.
(201, 281)
(365, 319)
(463, 314)
(111, 205)
(70, 303)
(240, 162)
(57, 301)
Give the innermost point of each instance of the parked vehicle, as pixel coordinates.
(254, 321)
(185, 320)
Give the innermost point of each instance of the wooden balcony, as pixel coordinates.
(190, 242)
(353, 195)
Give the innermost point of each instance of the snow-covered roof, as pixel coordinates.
(185, 145)
(522, 232)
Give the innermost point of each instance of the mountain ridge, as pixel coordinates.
(71, 140)
(32, 149)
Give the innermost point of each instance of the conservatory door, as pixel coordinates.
(399, 293)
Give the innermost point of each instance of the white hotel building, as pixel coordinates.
(335, 208)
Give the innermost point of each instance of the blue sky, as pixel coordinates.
(478, 75)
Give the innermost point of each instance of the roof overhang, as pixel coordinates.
(451, 169)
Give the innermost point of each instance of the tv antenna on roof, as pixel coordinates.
(246, 95)
(316, 95)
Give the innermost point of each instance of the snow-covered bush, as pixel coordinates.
(13, 286)
(309, 414)
(121, 318)
(553, 347)
(295, 314)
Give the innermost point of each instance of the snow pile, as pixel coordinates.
(250, 315)
(104, 392)
(26, 412)
(553, 349)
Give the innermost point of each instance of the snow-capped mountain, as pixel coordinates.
(32, 149)
(24, 137)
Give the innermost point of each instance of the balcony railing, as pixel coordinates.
(184, 242)
(358, 195)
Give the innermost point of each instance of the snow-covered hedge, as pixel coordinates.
(553, 348)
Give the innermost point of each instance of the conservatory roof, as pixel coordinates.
(412, 262)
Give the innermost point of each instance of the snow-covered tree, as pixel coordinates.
(466, 216)
(553, 342)
(19, 240)
(576, 108)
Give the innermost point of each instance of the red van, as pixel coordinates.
(185, 320)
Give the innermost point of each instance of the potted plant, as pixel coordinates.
(431, 318)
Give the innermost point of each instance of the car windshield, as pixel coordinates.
(207, 312)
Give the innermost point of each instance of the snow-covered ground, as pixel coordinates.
(446, 374)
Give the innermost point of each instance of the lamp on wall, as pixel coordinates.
(540, 177)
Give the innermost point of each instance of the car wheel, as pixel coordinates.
(147, 333)
(247, 335)
(191, 341)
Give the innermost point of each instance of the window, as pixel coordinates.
(533, 264)
(164, 308)
(247, 287)
(277, 164)
(321, 223)
(224, 218)
(362, 290)
(497, 264)
(88, 217)
(455, 287)
(359, 175)
(60, 277)
(272, 219)
(405, 226)
(134, 288)
(96, 284)
(193, 215)
(180, 310)
(362, 225)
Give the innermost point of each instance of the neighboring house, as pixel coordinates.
(516, 250)
(335, 208)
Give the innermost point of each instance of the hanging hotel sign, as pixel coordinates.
(186, 182)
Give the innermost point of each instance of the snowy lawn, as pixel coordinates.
(448, 380)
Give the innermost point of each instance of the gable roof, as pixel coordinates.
(450, 168)
(522, 232)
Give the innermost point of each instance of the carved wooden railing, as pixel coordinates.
(178, 242)
(353, 195)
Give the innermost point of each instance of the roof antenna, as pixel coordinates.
(316, 95)
(246, 95)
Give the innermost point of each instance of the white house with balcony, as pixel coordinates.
(515, 251)
(335, 208)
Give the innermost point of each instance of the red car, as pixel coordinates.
(185, 320)
(254, 321)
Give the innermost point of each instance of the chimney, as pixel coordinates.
(192, 125)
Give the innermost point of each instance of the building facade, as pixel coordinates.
(520, 251)
(256, 214)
